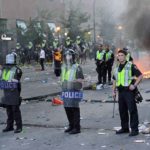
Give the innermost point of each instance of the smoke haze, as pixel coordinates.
(138, 21)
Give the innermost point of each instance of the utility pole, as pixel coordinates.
(94, 24)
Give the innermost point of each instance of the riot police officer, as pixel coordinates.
(80, 43)
(100, 62)
(71, 78)
(68, 43)
(109, 60)
(55, 44)
(11, 73)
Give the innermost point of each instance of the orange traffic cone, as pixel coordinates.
(57, 101)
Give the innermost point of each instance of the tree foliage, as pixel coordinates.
(74, 22)
(37, 30)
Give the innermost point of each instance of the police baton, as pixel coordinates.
(114, 98)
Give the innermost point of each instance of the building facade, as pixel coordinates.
(25, 9)
(13, 10)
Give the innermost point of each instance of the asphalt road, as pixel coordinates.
(44, 123)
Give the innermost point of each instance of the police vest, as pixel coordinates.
(43, 45)
(70, 74)
(30, 45)
(99, 55)
(78, 42)
(9, 75)
(124, 78)
(18, 47)
(108, 55)
(55, 44)
(68, 42)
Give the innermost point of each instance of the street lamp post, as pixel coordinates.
(58, 32)
(89, 36)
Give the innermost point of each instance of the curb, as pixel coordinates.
(40, 98)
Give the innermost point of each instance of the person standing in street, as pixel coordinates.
(126, 79)
(109, 60)
(29, 52)
(100, 62)
(57, 55)
(56, 44)
(11, 74)
(42, 58)
(71, 79)
(68, 43)
(82, 47)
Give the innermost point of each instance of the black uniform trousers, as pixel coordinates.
(73, 115)
(101, 75)
(14, 114)
(107, 70)
(127, 103)
(42, 63)
(57, 68)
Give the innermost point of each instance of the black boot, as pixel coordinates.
(18, 119)
(69, 114)
(122, 131)
(18, 130)
(68, 129)
(7, 129)
(74, 131)
(134, 133)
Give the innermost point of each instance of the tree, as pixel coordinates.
(74, 22)
(37, 30)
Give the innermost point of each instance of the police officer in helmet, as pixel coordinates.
(11, 73)
(68, 43)
(71, 79)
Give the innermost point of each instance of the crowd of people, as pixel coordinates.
(27, 53)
